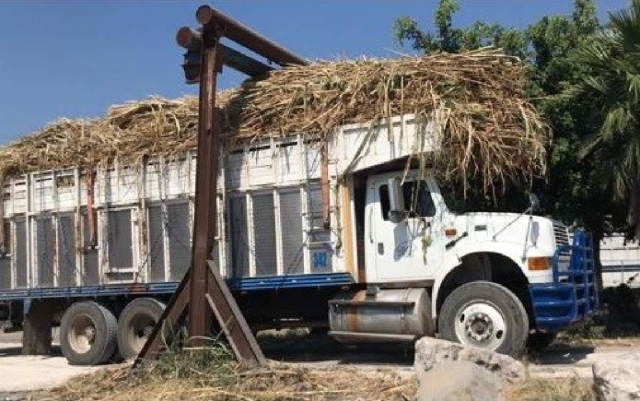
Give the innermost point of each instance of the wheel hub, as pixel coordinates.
(90, 334)
(83, 334)
(145, 332)
(480, 324)
(140, 329)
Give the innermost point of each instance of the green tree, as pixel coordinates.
(612, 82)
(452, 40)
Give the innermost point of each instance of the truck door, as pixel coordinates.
(403, 250)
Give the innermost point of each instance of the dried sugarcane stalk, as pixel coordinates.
(490, 131)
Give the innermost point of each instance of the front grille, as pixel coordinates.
(560, 233)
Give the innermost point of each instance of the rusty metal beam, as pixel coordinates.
(172, 315)
(350, 257)
(231, 320)
(213, 19)
(3, 235)
(206, 184)
(191, 40)
(324, 182)
(90, 184)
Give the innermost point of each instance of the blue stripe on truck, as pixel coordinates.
(240, 285)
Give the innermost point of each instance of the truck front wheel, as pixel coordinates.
(88, 334)
(485, 315)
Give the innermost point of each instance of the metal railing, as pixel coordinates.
(580, 272)
(572, 294)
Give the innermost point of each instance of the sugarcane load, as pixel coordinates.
(329, 209)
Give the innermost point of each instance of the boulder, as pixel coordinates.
(617, 380)
(459, 381)
(432, 352)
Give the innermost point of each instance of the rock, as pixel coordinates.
(617, 380)
(459, 381)
(431, 352)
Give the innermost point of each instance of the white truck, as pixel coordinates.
(367, 247)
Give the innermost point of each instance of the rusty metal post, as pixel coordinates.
(3, 235)
(324, 182)
(202, 289)
(91, 220)
(205, 198)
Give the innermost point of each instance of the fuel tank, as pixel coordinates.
(389, 315)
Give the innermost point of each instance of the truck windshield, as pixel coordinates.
(476, 201)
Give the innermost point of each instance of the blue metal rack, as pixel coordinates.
(572, 296)
(237, 285)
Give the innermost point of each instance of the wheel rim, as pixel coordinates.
(481, 324)
(82, 334)
(140, 328)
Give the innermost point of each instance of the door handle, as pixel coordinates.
(380, 248)
(370, 225)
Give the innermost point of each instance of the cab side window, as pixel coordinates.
(417, 199)
(383, 194)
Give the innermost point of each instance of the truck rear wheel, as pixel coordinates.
(136, 324)
(485, 315)
(88, 333)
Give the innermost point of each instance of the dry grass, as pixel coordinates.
(474, 101)
(212, 375)
(574, 389)
(597, 335)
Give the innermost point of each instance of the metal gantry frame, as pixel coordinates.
(203, 293)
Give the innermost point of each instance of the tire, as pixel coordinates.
(88, 333)
(485, 315)
(135, 325)
(540, 340)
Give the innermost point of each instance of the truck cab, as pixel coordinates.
(485, 279)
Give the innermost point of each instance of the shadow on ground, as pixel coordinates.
(561, 354)
(16, 350)
(302, 346)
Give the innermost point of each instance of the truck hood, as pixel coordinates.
(538, 236)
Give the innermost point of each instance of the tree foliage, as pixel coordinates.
(551, 47)
(612, 84)
(454, 40)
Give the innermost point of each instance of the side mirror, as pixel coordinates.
(396, 201)
(534, 202)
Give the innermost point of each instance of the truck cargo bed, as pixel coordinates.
(270, 219)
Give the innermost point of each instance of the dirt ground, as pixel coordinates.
(19, 374)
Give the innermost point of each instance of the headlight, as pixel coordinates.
(538, 263)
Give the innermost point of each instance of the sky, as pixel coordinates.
(75, 58)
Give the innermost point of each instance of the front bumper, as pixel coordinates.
(572, 295)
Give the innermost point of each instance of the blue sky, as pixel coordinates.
(75, 58)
